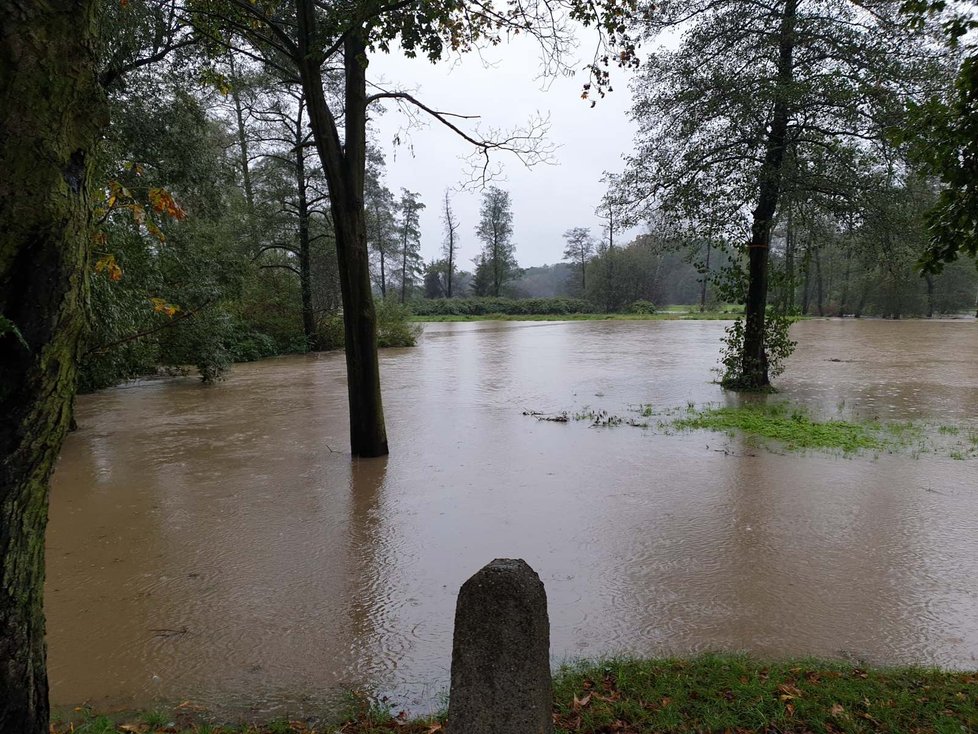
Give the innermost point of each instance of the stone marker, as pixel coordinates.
(501, 653)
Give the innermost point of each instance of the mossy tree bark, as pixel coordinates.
(52, 112)
(344, 166)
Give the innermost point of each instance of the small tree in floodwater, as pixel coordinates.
(764, 103)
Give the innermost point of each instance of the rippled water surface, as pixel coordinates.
(218, 544)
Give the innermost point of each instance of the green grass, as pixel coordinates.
(718, 693)
(794, 428)
(712, 693)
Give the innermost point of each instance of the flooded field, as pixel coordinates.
(217, 544)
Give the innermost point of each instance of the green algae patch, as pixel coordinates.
(793, 427)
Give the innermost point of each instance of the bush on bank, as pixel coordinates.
(712, 693)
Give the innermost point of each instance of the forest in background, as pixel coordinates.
(244, 266)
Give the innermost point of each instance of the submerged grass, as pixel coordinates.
(712, 693)
(793, 427)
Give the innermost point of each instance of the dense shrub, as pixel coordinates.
(329, 330)
(640, 306)
(248, 346)
(507, 306)
(393, 327)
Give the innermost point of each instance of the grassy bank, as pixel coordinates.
(714, 693)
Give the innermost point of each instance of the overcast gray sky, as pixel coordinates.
(503, 89)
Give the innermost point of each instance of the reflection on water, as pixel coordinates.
(217, 544)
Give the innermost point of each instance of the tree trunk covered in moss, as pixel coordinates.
(344, 165)
(51, 115)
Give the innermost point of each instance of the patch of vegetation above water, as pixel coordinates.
(712, 693)
(791, 427)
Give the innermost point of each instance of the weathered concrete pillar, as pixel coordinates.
(501, 653)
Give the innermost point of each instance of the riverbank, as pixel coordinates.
(712, 693)
(657, 316)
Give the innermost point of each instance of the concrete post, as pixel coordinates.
(501, 680)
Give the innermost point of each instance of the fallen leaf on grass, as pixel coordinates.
(580, 703)
(789, 691)
(837, 710)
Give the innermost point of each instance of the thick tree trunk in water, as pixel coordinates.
(754, 358)
(344, 168)
(51, 115)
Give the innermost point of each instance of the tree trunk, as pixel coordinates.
(404, 246)
(706, 279)
(806, 290)
(344, 168)
(383, 277)
(305, 254)
(819, 287)
(930, 294)
(451, 262)
(242, 139)
(844, 300)
(788, 288)
(754, 374)
(862, 303)
(52, 113)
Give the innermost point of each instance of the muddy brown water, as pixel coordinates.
(217, 544)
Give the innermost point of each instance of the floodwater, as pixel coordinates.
(218, 545)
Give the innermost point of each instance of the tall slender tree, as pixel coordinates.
(450, 246)
(495, 231)
(579, 250)
(409, 239)
(381, 218)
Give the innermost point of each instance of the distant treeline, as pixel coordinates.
(506, 306)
